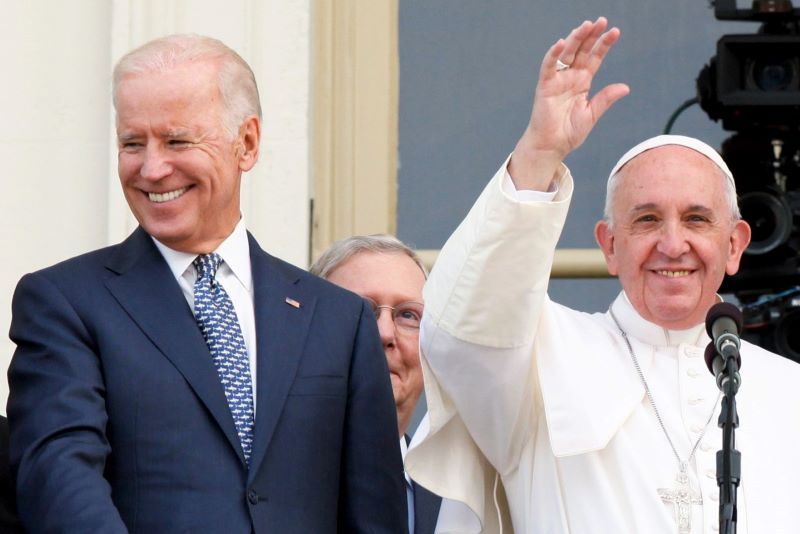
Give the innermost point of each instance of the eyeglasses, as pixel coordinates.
(406, 315)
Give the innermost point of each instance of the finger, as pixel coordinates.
(548, 67)
(607, 97)
(601, 48)
(574, 40)
(588, 44)
(604, 44)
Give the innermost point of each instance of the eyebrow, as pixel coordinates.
(127, 137)
(176, 132)
(693, 208)
(169, 134)
(643, 207)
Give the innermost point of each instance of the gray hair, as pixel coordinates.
(344, 249)
(236, 82)
(613, 185)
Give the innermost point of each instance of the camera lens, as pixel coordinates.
(787, 335)
(774, 74)
(770, 218)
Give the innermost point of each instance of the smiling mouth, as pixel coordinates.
(673, 274)
(166, 197)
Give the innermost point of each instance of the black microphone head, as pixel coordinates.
(723, 309)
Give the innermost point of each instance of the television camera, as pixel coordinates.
(752, 86)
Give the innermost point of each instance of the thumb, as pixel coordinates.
(606, 97)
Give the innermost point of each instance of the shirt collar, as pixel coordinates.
(637, 327)
(235, 251)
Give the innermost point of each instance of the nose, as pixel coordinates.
(386, 327)
(155, 165)
(672, 241)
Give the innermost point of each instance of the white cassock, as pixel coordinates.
(539, 422)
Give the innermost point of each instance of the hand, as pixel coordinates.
(563, 115)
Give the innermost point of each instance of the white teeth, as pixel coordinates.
(673, 274)
(164, 197)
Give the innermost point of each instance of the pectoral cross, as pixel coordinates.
(683, 498)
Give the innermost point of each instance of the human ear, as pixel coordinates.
(740, 238)
(605, 239)
(248, 143)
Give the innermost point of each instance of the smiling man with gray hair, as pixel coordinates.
(548, 420)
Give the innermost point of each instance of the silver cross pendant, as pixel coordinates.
(683, 498)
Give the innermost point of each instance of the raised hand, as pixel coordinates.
(563, 114)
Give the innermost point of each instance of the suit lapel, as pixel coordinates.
(147, 290)
(281, 330)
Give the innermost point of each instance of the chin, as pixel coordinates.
(167, 234)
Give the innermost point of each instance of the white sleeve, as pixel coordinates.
(483, 301)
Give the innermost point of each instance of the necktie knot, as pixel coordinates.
(207, 265)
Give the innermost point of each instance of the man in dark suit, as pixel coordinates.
(185, 380)
(389, 275)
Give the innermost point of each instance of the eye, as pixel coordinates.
(649, 218)
(178, 143)
(130, 146)
(408, 315)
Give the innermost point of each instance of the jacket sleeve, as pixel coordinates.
(57, 415)
(372, 495)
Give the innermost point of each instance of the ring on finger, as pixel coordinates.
(560, 65)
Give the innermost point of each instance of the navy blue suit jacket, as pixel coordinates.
(426, 510)
(119, 421)
(426, 507)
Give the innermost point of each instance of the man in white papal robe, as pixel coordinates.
(540, 416)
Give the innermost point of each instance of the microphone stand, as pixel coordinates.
(729, 460)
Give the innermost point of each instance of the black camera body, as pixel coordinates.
(754, 80)
(752, 86)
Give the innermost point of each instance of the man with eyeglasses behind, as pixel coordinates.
(390, 276)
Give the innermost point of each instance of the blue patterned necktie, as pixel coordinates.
(214, 312)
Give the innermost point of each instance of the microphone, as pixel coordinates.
(716, 364)
(723, 323)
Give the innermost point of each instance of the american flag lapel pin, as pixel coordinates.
(291, 302)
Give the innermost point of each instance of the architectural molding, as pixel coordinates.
(354, 118)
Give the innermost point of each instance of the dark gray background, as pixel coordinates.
(468, 69)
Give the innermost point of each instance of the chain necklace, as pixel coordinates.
(682, 495)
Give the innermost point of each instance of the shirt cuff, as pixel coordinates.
(527, 195)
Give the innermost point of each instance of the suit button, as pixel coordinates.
(252, 496)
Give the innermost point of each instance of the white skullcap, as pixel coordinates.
(682, 140)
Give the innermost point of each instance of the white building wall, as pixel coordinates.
(59, 194)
